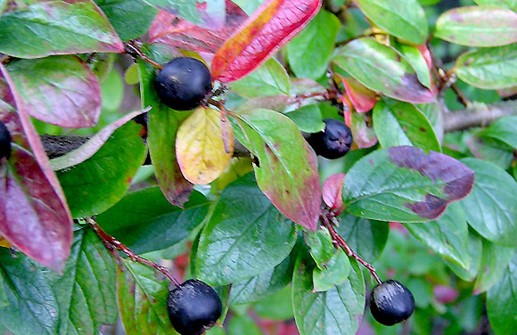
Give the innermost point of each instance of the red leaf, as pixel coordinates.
(47, 237)
(12, 97)
(32, 216)
(363, 99)
(169, 29)
(424, 50)
(272, 26)
(332, 190)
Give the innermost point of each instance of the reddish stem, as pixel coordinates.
(112, 243)
(339, 242)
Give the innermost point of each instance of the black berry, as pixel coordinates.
(5, 141)
(183, 83)
(334, 141)
(193, 307)
(391, 303)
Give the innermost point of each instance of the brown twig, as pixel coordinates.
(447, 79)
(327, 217)
(112, 243)
(134, 51)
(298, 99)
(478, 115)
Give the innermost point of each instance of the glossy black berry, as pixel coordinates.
(183, 83)
(391, 302)
(193, 307)
(334, 141)
(5, 141)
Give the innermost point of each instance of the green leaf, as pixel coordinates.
(417, 60)
(475, 251)
(130, 18)
(78, 301)
(490, 208)
(142, 300)
(510, 4)
(162, 126)
(56, 28)
(308, 118)
(494, 261)
(332, 265)
(60, 90)
(502, 301)
(277, 306)
(404, 19)
(33, 306)
(381, 68)
(448, 236)
(490, 150)
(489, 68)
(336, 311)
(403, 124)
(503, 129)
(286, 170)
(334, 272)
(264, 284)
(366, 237)
(101, 181)
(478, 26)
(321, 248)
(243, 324)
(86, 291)
(94, 143)
(404, 184)
(112, 91)
(145, 221)
(246, 236)
(268, 80)
(310, 51)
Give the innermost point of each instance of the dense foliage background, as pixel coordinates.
(230, 193)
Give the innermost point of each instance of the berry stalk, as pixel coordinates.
(113, 244)
(327, 218)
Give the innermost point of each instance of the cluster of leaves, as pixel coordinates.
(234, 185)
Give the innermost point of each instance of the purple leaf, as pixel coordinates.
(404, 184)
(60, 90)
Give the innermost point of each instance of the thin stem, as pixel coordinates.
(340, 243)
(134, 51)
(298, 99)
(112, 243)
(447, 79)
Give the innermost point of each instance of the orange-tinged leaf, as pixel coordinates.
(363, 99)
(200, 148)
(273, 25)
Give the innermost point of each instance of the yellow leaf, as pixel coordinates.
(4, 243)
(200, 147)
